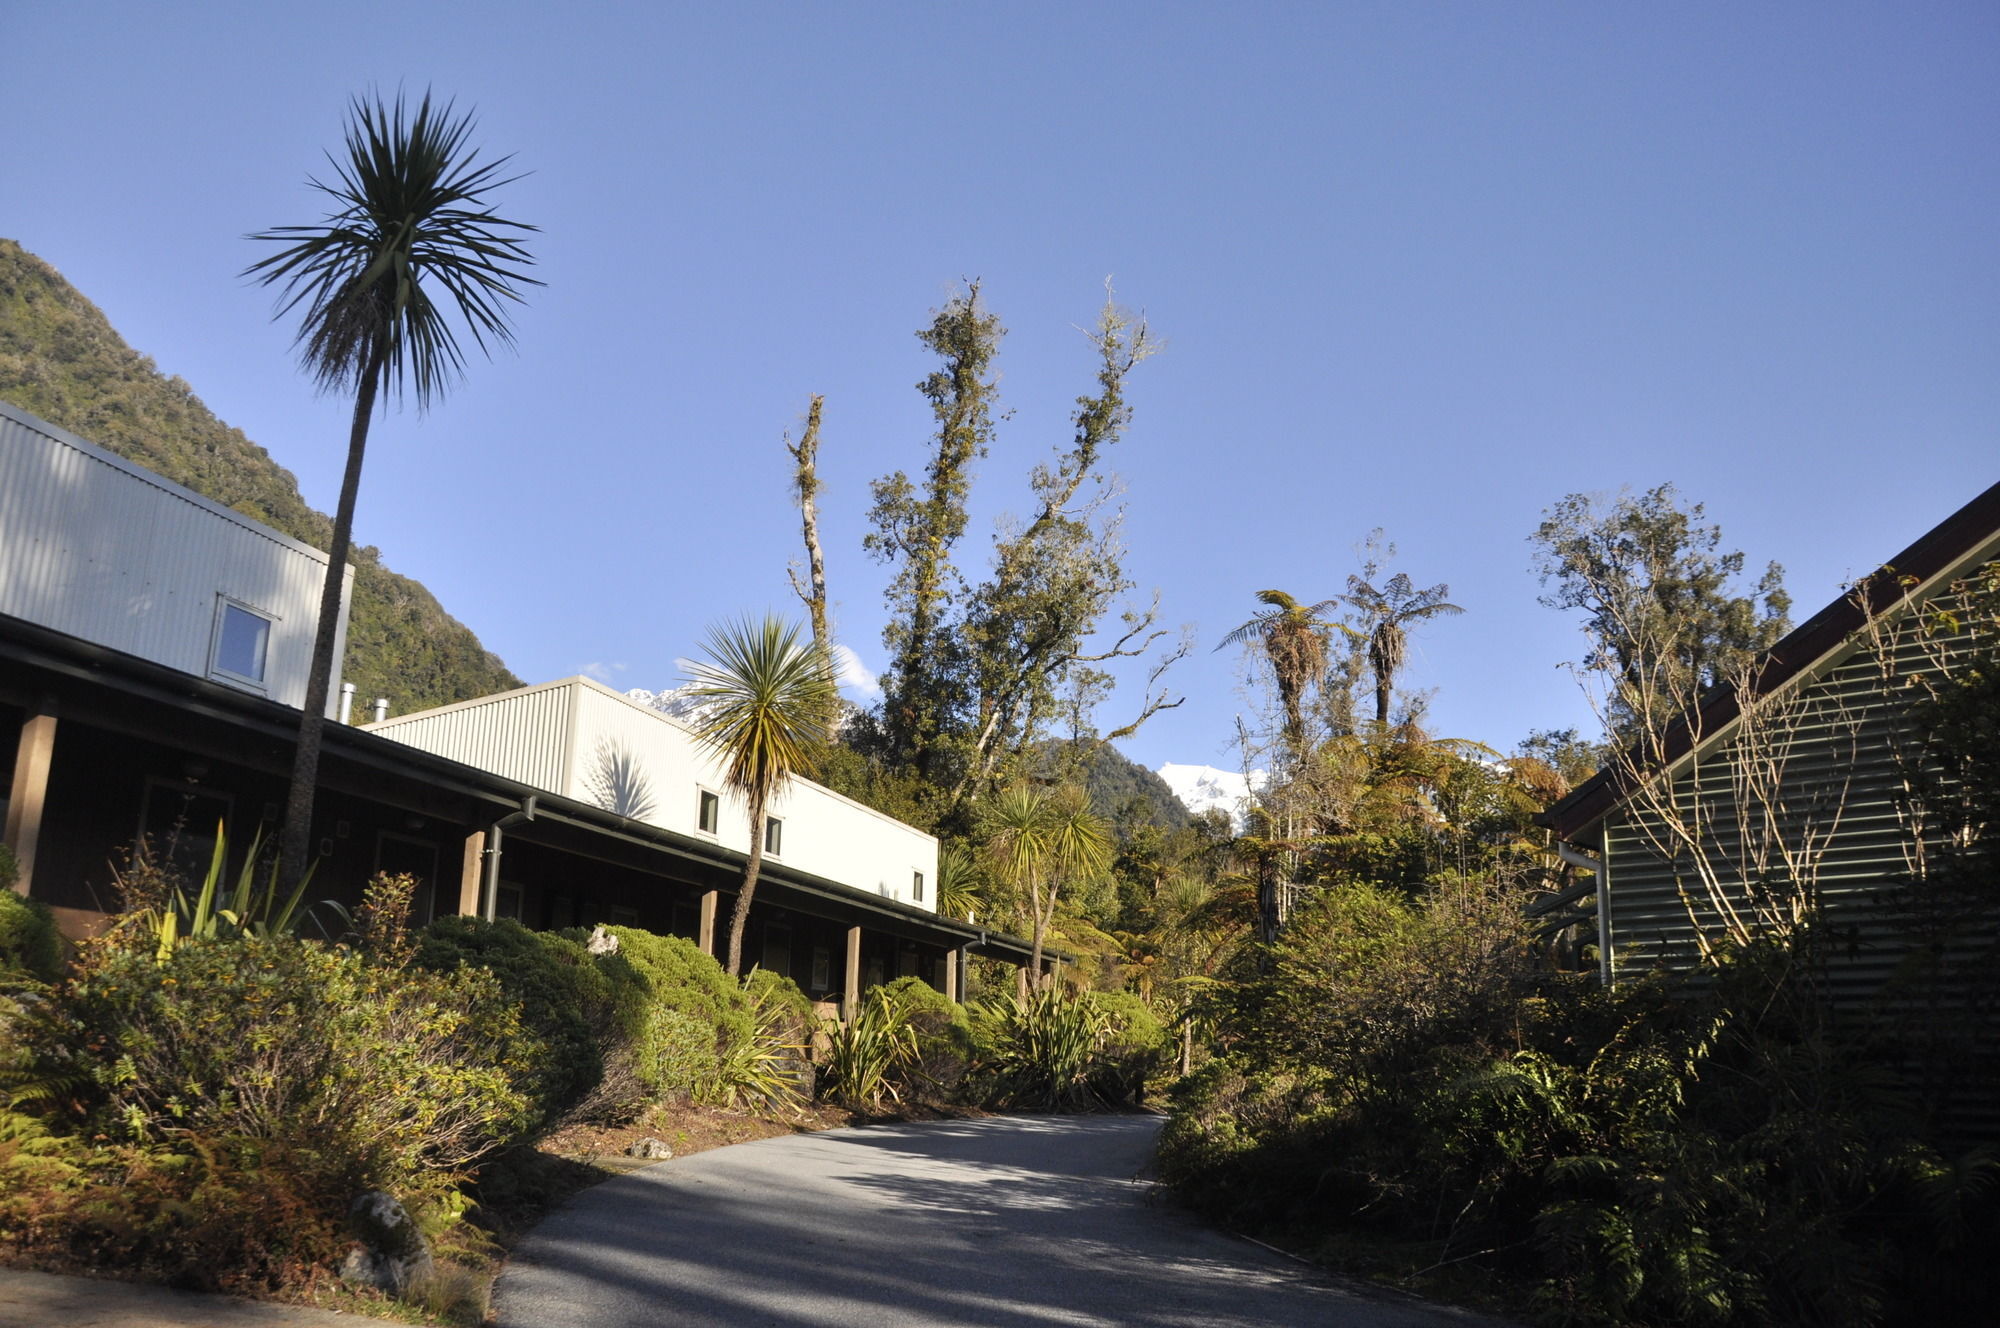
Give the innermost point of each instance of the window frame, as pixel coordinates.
(774, 836)
(216, 670)
(916, 887)
(707, 811)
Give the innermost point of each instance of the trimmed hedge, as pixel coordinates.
(565, 998)
(945, 1049)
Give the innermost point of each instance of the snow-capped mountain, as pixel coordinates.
(1203, 787)
(673, 701)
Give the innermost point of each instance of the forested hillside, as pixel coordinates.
(60, 359)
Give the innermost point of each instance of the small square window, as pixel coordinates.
(707, 812)
(917, 886)
(242, 642)
(774, 836)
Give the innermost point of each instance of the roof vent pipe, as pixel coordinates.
(347, 703)
(381, 708)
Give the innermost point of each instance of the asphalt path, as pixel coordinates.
(1017, 1222)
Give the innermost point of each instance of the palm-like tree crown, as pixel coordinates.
(1396, 602)
(1293, 636)
(411, 224)
(764, 701)
(1040, 839)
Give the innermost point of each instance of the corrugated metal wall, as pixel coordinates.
(584, 741)
(99, 548)
(519, 735)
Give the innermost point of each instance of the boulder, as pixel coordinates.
(650, 1149)
(601, 942)
(390, 1252)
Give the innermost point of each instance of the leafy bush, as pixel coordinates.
(663, 990)
(29, 942)
(684, 1054)
(1041, 1053)
(1136, 1047)
(780, 998)
(1728, 1155)
(680, 975)
(383, 1075)
(567, 1004)
(943, 1039)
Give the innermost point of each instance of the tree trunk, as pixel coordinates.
(739, 916)
(295, 840)
(806, 454)
(1044, 914)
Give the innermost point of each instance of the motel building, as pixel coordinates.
(154, 647)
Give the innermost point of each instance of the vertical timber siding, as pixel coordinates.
(1845, 827)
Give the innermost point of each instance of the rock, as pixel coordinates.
(601, 942)
(650, 1149)
(391, 1253)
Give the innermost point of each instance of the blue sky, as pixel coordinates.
(1420, 267)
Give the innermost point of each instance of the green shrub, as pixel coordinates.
(1136, 1047)
(569, 1008)
(1041, 1053)
(681, 976)
(944, 1044)
(687, 1066)
(652, 977)
(29, 942)
(868, 1056)
(778, 998)
(772, 1070)
(379, 1075)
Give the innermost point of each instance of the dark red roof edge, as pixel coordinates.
(1946, 543)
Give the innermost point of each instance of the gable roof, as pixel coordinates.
(1972, 532)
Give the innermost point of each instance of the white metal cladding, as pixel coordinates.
(1845, 808)
(584, 741)
(105, 550)
(519, 735)
(634, 760)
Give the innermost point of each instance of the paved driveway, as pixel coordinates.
(1023, 1222)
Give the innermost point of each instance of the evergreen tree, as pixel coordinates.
(1661, 609)
(411, 246)
(915, 529)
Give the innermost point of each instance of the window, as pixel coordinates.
(774, 836)
(707, 812)
(242, 641)
(917, 886)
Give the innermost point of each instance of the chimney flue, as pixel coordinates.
(381, 708)
(347, 703)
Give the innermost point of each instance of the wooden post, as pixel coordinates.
(30, 794)
(706, 937)
(469, 874)
(1021, 981)
(852, 1003)
(951, 976)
